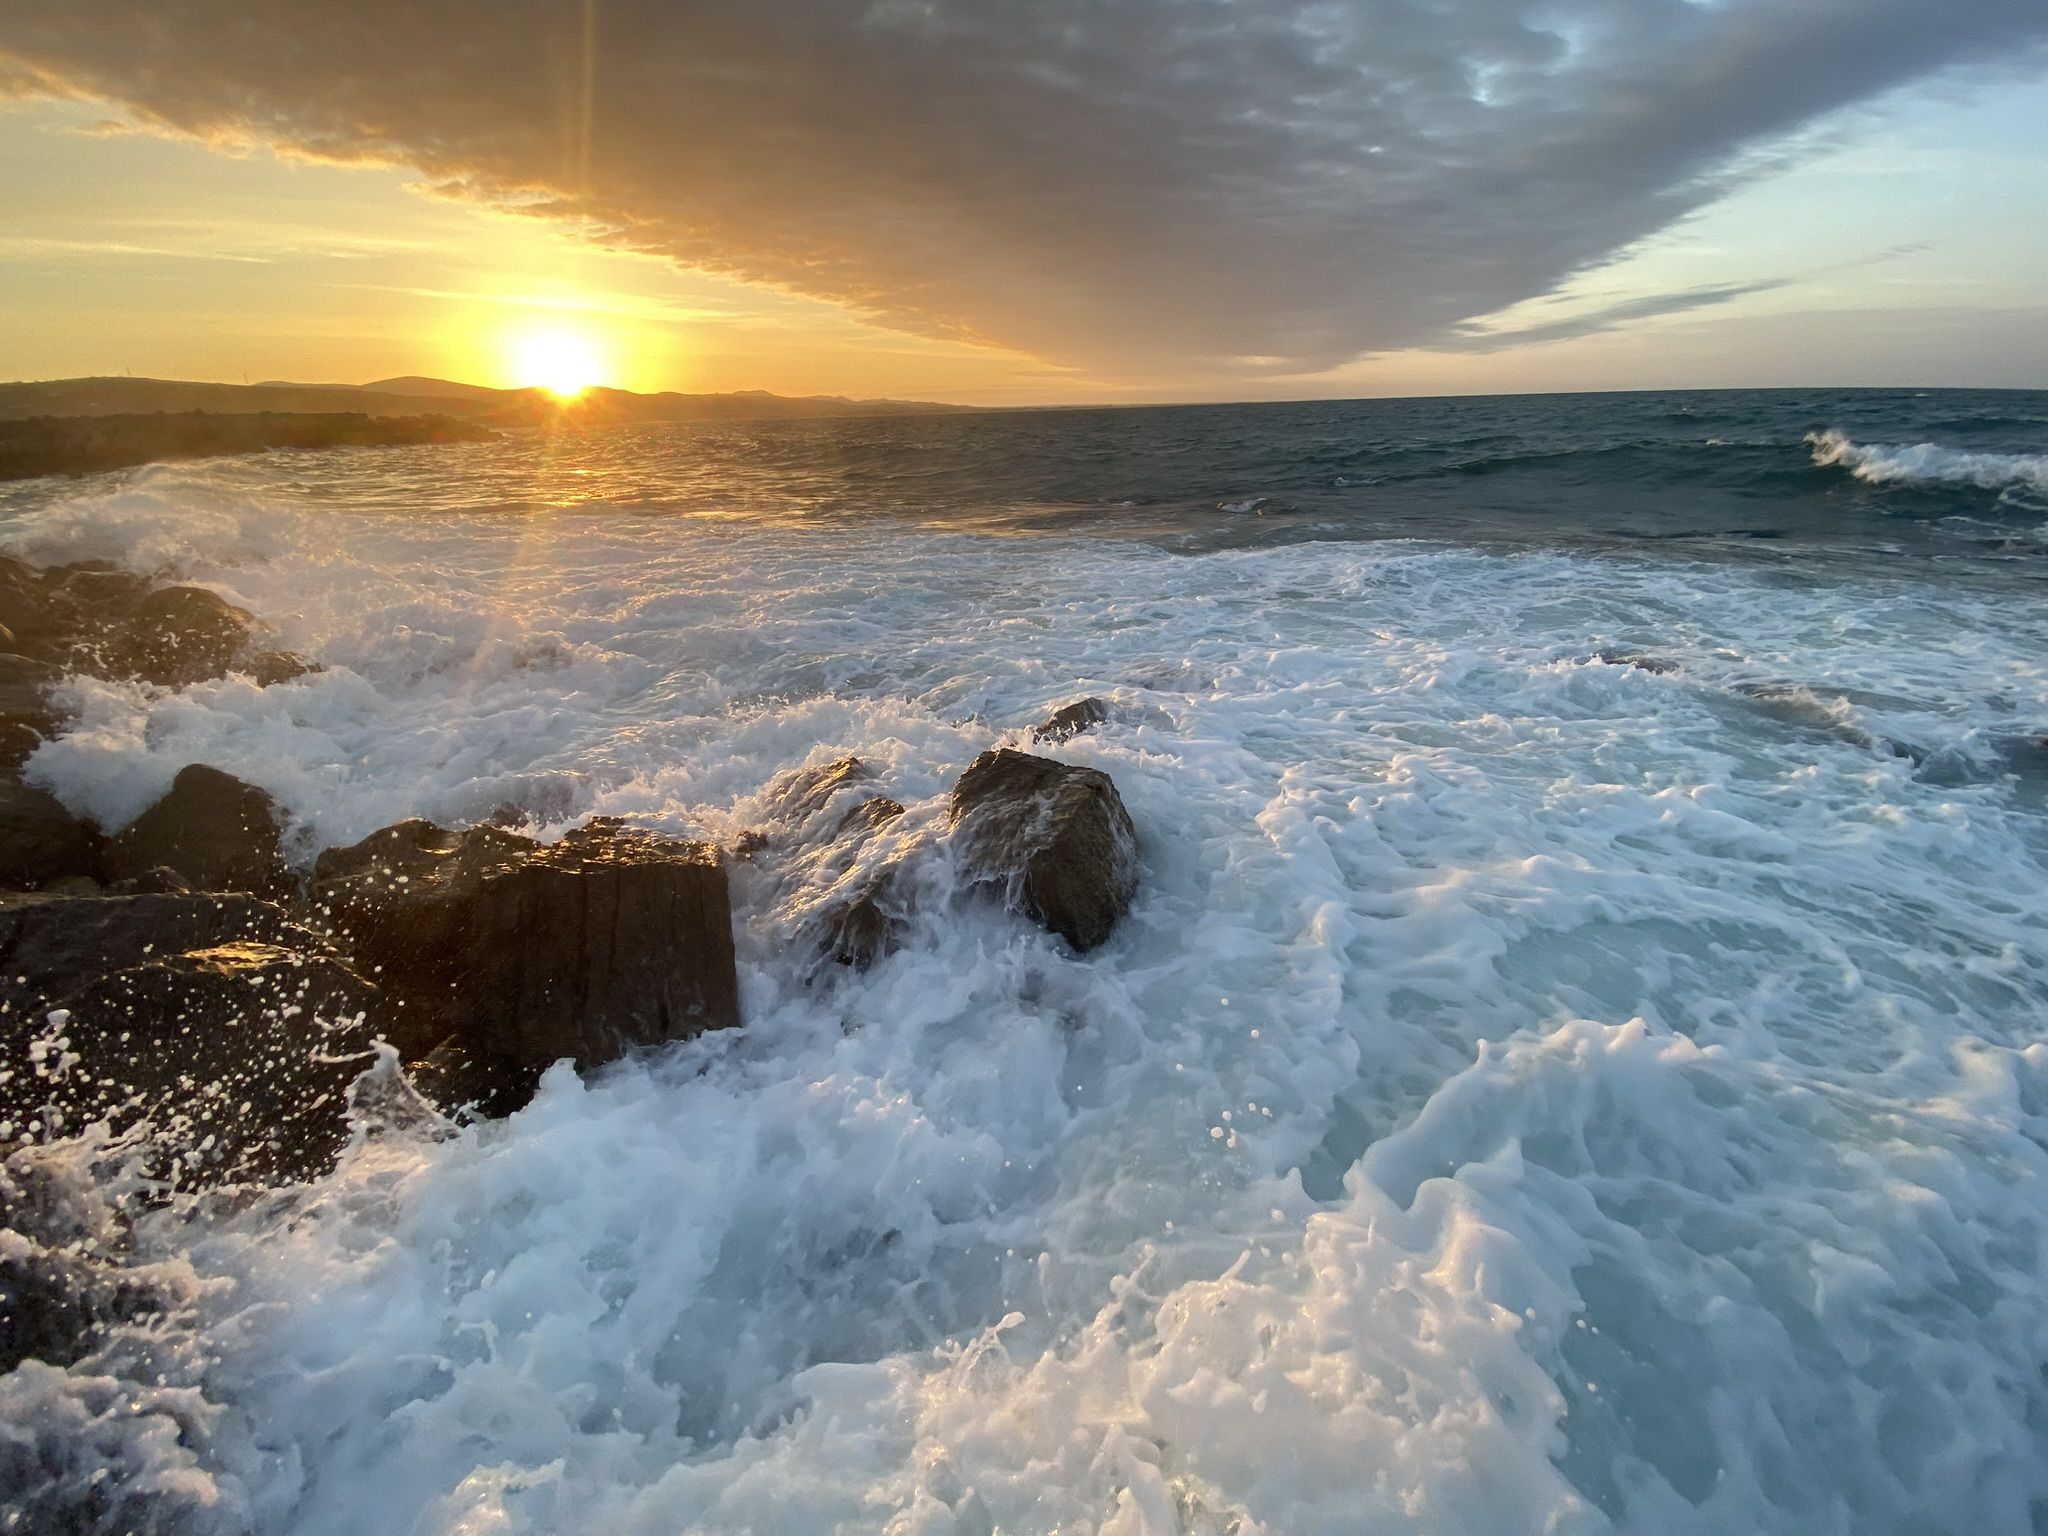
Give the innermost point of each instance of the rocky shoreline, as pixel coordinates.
(179, 980)
(83, 445)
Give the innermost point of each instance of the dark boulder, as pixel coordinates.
(1056, 838)
(176, 636)
(1066, 723)
(228, 1031)
(217, 832)
(40, 841)
(530, 952)
(99, 586)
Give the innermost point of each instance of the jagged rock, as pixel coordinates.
(585, 948)
(862, 928)
(870, 815)
(800, 794)
(1066, 723)
(176, 636)
(1056, 837)
(40, 841)
(217, 832)
(228, 1029)
(862, 917)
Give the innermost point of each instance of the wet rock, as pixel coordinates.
(217, 832)
(63, 1279)
(28, 718)
(230, 1032)
(176, 636)
(40, 841)
(800, 794)
(865, 925)
(1642, 661)
(25, 608)
(529, 952)
(103, 589)
(462, 1080)
(870, 815)
(864, 905)
(161, 881)
(268, 668)
(1070, 721)
(1056, 838)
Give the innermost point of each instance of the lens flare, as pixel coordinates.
(563, 362)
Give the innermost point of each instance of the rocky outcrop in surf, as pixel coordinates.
(95, 618)
(515, 954)
(214, 832)
(1072, 720)
(1054, 837)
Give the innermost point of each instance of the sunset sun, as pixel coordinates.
(563, 362)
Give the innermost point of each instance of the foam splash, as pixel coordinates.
(1529, 1095)
(1930, 464)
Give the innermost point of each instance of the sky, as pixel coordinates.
(1000, 203)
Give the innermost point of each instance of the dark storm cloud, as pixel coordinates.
(1141, 186)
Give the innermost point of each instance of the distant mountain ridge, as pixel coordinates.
(414, 395)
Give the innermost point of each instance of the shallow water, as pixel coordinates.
(1530, 1094)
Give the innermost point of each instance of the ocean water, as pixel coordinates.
(1531, 1094)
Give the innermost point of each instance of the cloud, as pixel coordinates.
(1149, 188)
(1622, 313)
(1608, 317)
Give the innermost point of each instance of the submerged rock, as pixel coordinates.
(1070, 721)
(1642, 661)
(230, 1031)
(216, 832)
(1055, 836)
(40, 841)
(530, 952)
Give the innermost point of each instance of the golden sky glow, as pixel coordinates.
(558, 357)
(127, 251)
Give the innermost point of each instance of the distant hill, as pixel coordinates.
(418, 396)
(438, 389)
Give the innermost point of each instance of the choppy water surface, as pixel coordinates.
(1530, 1094)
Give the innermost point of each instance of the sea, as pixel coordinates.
(1577, 1061)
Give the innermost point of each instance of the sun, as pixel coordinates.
(561, 361)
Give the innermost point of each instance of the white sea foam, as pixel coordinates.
(1931, 464)
(1529, 1094)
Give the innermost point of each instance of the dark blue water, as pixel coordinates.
(1958, 472)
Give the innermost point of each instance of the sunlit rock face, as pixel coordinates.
(528, 952)
(1055, 837)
